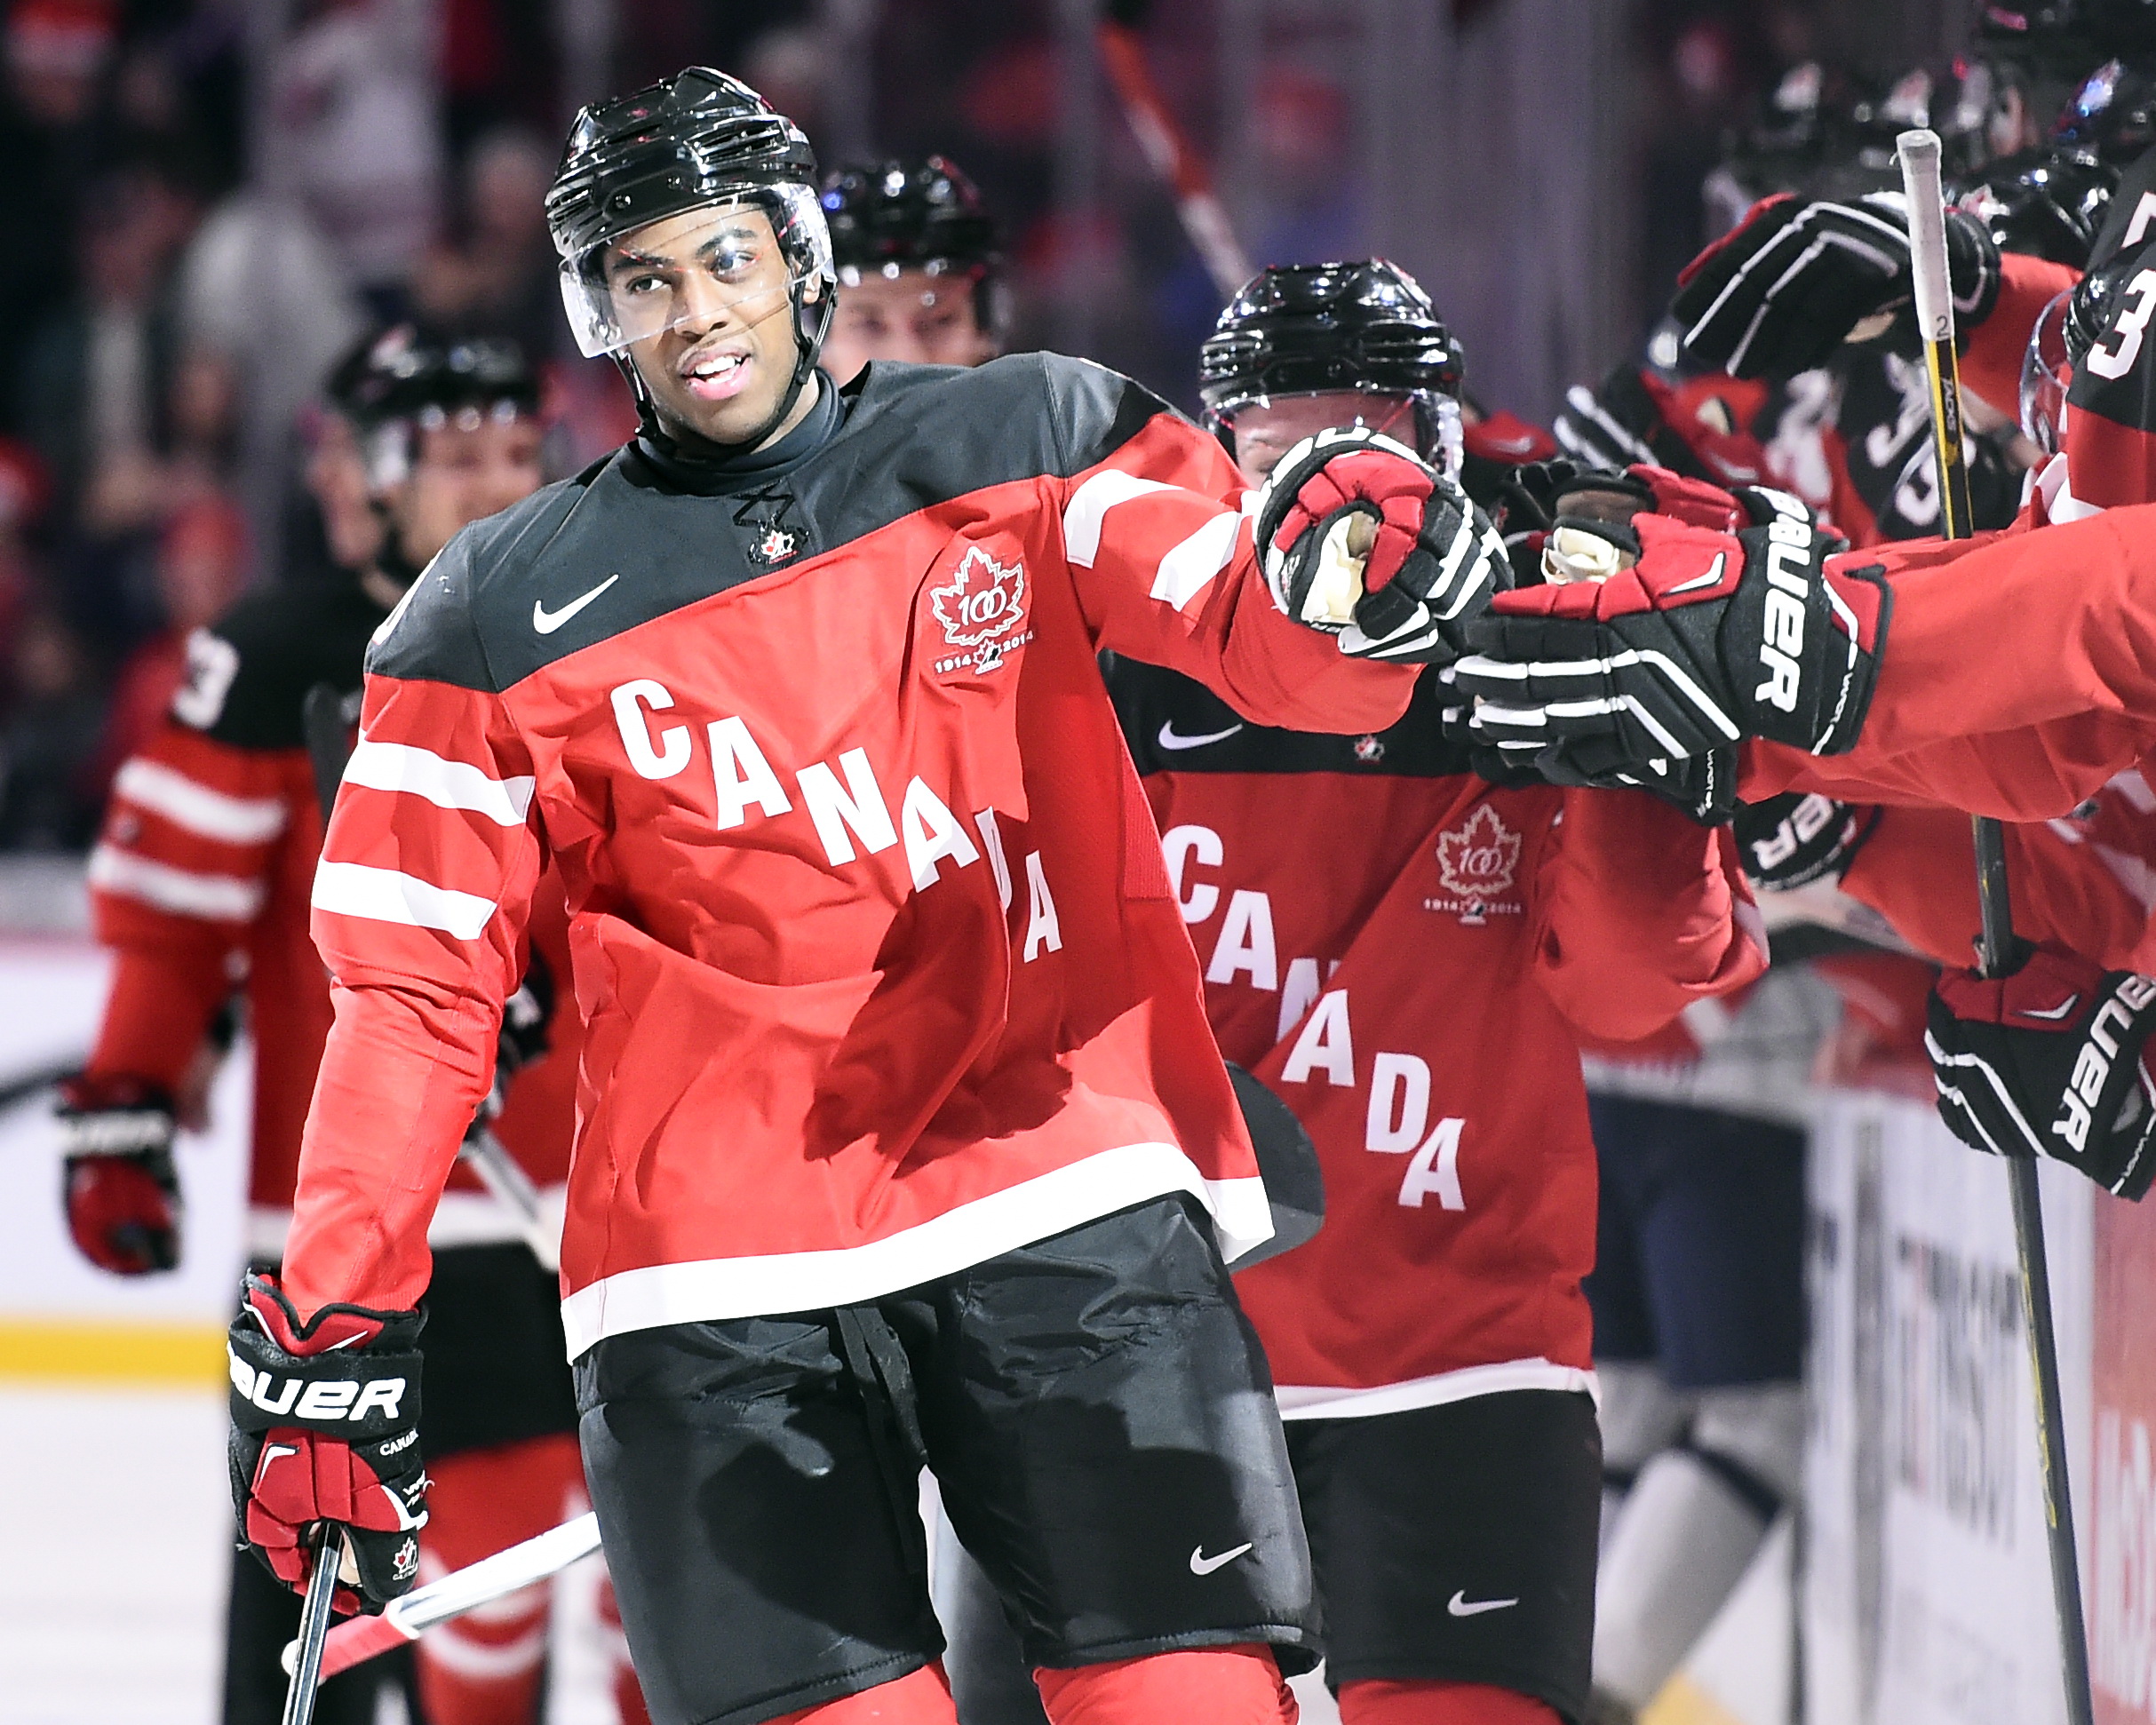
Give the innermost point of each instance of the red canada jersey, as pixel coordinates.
(1409, 955)
(881, 970)
(201, 879)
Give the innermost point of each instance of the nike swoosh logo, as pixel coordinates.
(1460, 1606)
(1711, 579)
(2054, 1015)
(546, 622)
(1201, 1564)
(1172, 738)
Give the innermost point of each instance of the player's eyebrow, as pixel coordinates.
(625, 257)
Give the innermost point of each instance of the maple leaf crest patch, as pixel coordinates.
(1477, 863)
(982, 609)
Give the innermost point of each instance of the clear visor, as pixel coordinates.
(1267, 428)
(743, 259)
(2045, 375)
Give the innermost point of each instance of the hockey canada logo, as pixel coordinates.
(1476, 866)
(982, 609)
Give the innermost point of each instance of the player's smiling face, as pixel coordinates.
(711, 289)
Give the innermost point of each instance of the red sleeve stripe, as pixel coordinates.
(197, 808)
(1189, 568)
(1089, 505)
(355, 889)
(445, 783)
(182, 892)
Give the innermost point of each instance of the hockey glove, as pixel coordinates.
(1794, 839)
(1678, 634)
(326, 1428)
(528, 1016)
(1781, 290)
(1633, 416)
(1365, 541)
(2051, 1061)
(119, 1189)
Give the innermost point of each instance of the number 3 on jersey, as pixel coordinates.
(1399, 1112)
(2114, 355)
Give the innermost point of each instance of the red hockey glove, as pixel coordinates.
(1362, 539)
(1717, 618)
(1785, 287)
(326, 1428)
(120, 1190)
(1794, 839)
(2051, 1061)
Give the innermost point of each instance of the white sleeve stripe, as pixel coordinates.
(1188, 570)
(211, 897)
(443, 782)
(1089, 505)
(206, 813)
(353, 889)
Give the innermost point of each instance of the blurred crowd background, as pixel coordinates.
(204, 202)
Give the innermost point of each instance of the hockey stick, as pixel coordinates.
(1919, 167)
(305, 1666)
(329, 749)
(1197, 205)
(402, 1620)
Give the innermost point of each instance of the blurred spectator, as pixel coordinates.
(48, 740)
(202, 569)
(56, 52)
(496, 276)
(95, 385)
(356, 135)
(24, 492)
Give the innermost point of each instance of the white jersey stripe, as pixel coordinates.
(353, 889)
(212, 897)
(1089, 505)
(443, 782)
(1188, 570)
(206, 813)
(716, 1288)
(1324, 1402)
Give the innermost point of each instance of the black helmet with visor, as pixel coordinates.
(1365, 328)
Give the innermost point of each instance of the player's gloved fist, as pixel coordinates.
(119, 1187)
(2051, 1061)
(1781, 290)
(326, 1428)
(1364, 540)
(1797, 837)
(1677, 633)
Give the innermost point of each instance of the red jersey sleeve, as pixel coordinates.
(1640, 912)
(420, 904)
(1162, 556)
(2085, 880)
(181, 871)
(1991, 367)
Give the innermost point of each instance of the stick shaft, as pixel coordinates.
(1931, 282)
(315, 1627)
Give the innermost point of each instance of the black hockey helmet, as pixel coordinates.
(402, 381)
(891, 215)
(2112, 115)
(697, 140)
(1315, 329)
(2046, 202)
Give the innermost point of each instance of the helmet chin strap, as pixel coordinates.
(811, 324)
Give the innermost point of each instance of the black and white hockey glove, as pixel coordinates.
(1793, 280)
(1678, 634)
(1799, 837)
(325, 1420)
(2052, 1060)
(1362, 539)
(120, 1190)
(527, 1017)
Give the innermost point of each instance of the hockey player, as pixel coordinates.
(205, 859)
(915, 251)
(1432, 1344)
(901, 1130)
